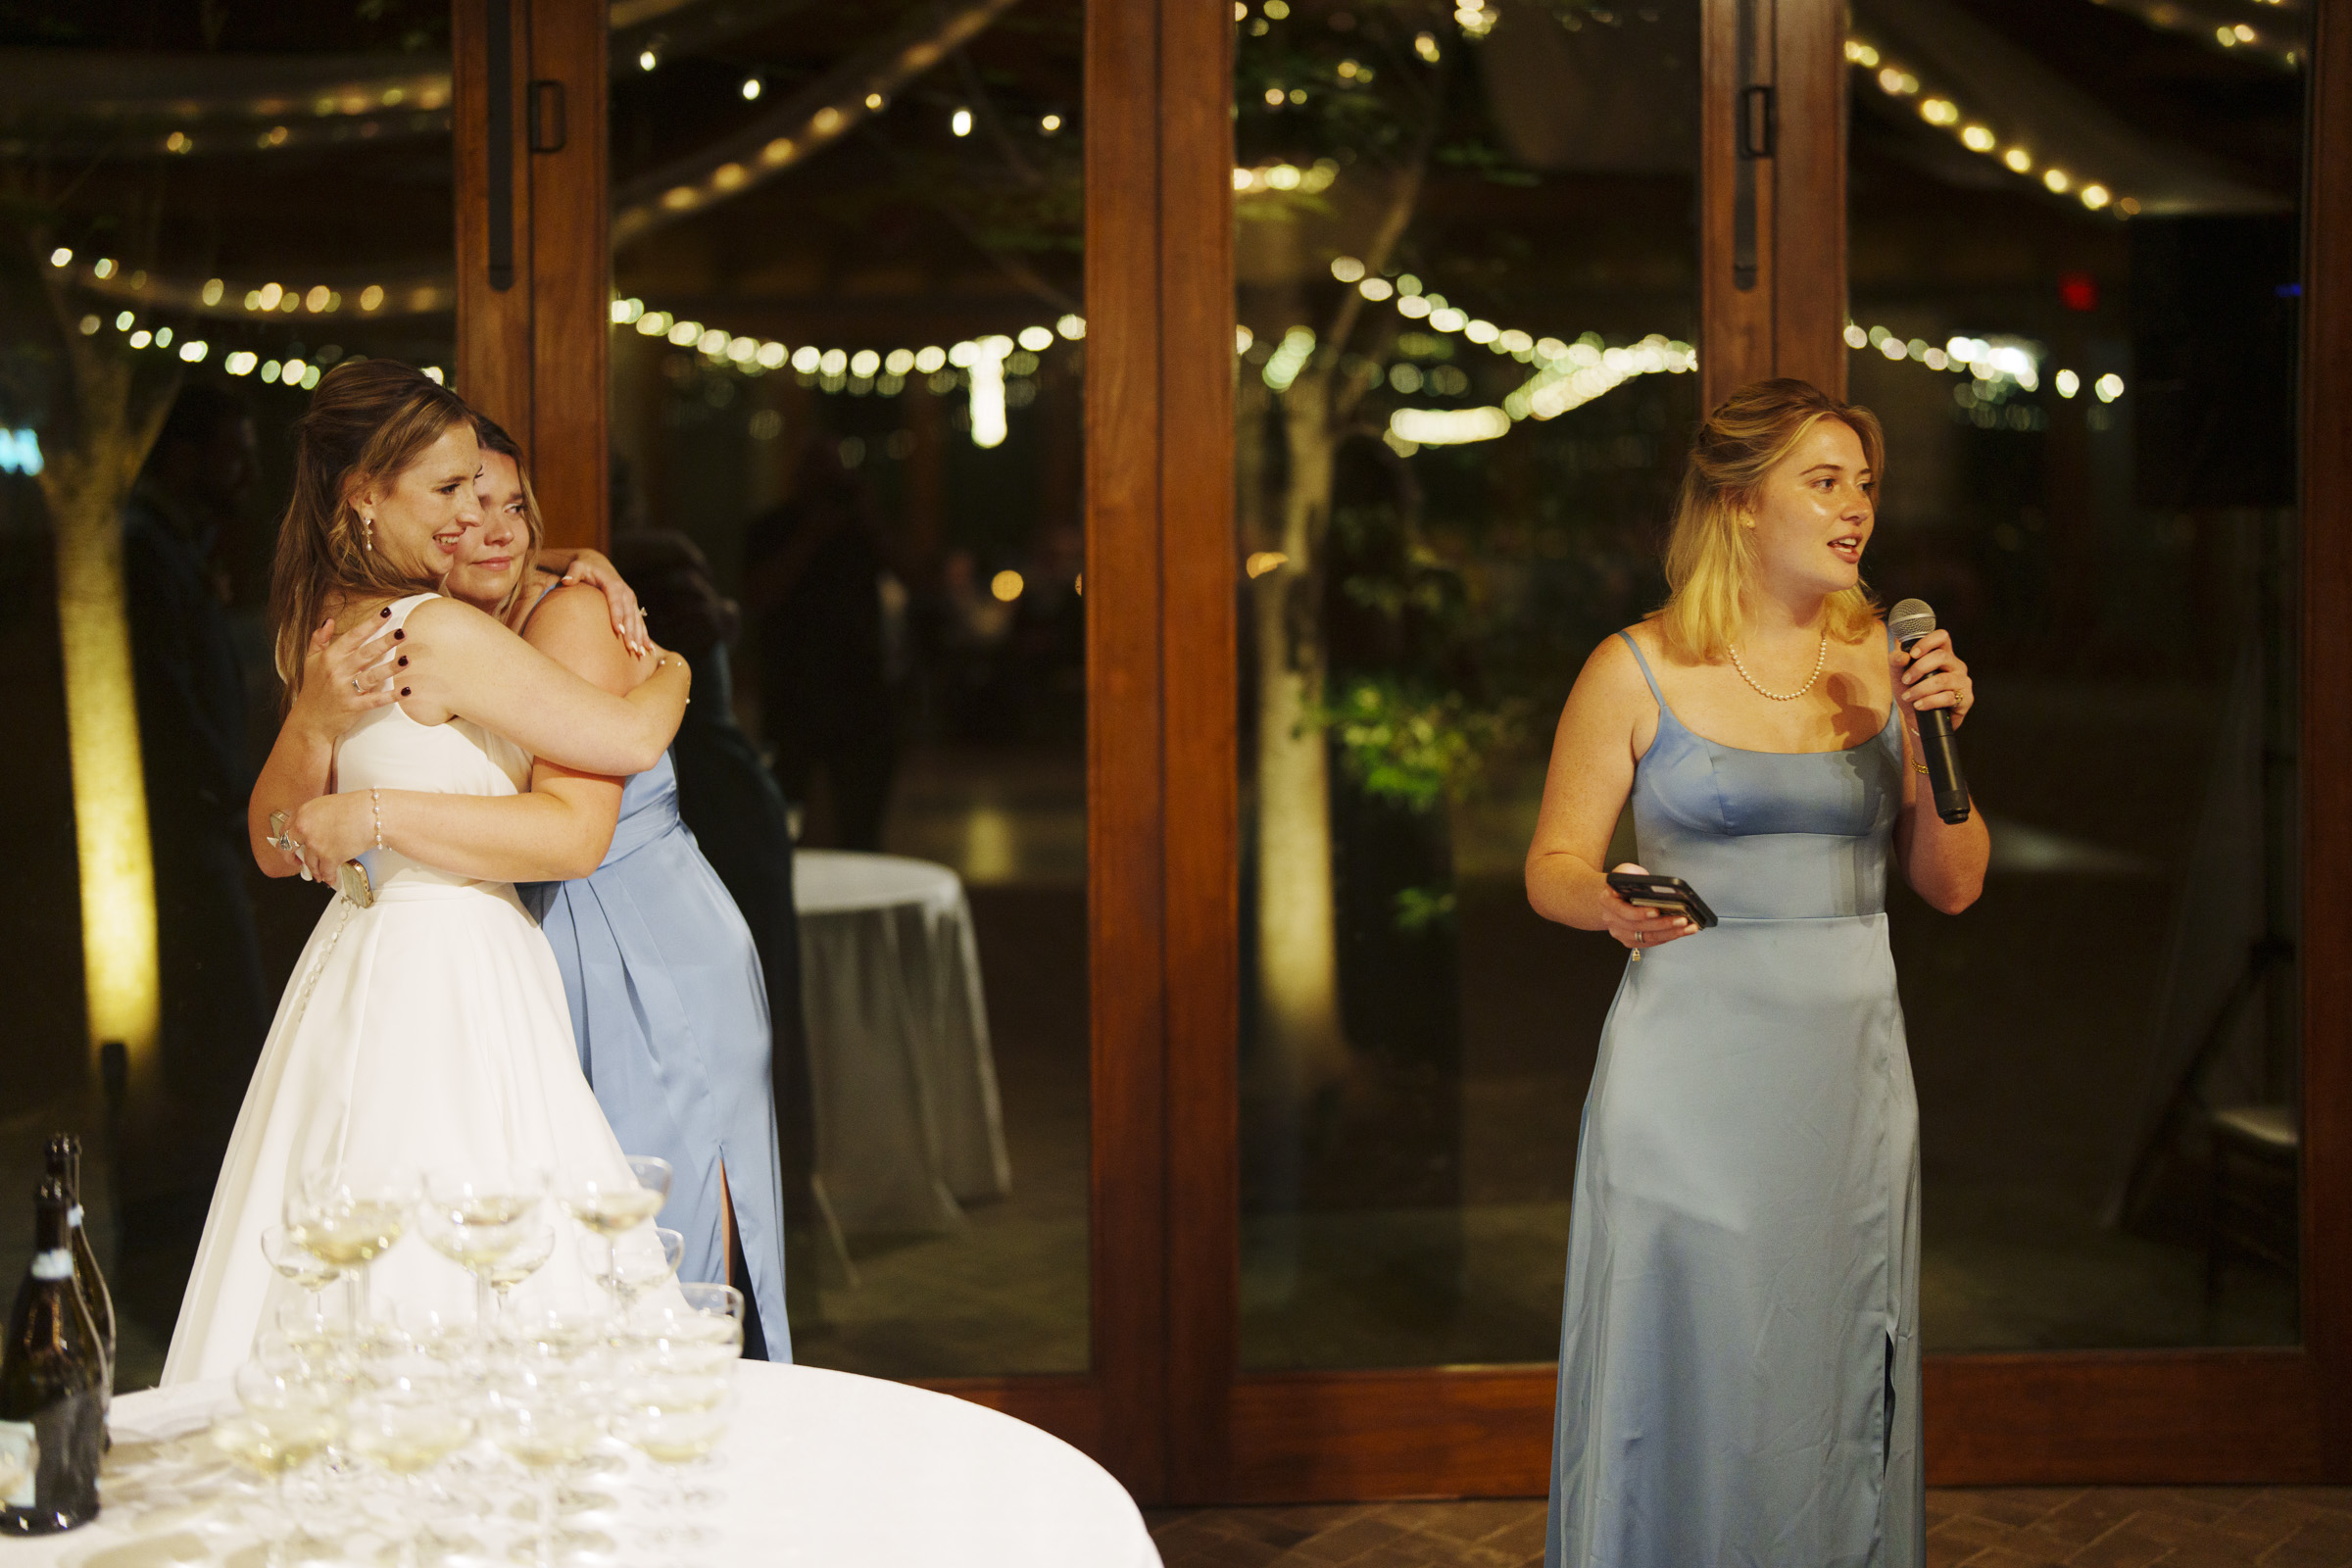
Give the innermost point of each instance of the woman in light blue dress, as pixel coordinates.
(1739, 1351)
(668, 1000)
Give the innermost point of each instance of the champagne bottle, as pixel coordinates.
(52, 1386)
(64, 1165)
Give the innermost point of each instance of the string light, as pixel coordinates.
(1992, 363)
(1311, 179)
(1430, 427)
(2167, 16)
(1943, 111)
(801, 124)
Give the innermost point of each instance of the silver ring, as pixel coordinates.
(355, 683)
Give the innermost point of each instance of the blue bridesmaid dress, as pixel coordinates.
(671, 1013)
(1739, 1357)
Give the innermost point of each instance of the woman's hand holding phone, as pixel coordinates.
(1641, 928)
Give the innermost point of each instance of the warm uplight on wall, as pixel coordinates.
(1261, 561)
(1007, 587)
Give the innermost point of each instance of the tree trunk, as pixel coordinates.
(86, 485)
(1299, 1032)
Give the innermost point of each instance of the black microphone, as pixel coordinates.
(1909, 621)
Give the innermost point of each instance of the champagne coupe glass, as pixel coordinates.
(348, 1220)
(287, 1417)
(676, 1421)
(474, 1221)
(528, 1257)
(613, 1203)
(547, 1425)
(641, 1261)
(296, 1262)
(698, 1329)
(270, 1453)
(718, 1312)
(408, 1432)
(313, 1328)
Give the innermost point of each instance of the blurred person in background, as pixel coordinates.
(738, 818)
(180, 524)
(813, 580)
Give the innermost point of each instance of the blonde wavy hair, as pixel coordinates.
(1709, 555)
(367, 421)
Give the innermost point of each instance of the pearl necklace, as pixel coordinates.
(1820, 661)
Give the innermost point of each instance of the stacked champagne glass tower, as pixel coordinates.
(438, 1431)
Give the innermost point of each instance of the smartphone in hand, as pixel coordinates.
(1669, 892)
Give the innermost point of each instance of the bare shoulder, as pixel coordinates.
(569, 609)
(446, 615)
(1612, 673)
(573, 627)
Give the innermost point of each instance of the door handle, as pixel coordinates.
(547, 131)
(1759, 121)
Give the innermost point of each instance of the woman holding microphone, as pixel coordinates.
(1739, 1356)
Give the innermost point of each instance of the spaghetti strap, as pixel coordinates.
(1646, 674)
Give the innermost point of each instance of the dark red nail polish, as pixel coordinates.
(404, 661)
(386, 611)
(399, 633)
(403, 691)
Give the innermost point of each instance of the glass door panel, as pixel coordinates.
(1466, 261)
(2075, 294)
(206, 211)
(848, 356)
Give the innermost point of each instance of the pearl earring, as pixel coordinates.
(367, 524)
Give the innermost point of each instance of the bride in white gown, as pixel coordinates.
(426, 1033)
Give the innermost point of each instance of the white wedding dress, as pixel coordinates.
(426, 1034)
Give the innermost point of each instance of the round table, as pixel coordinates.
(821, 1468)
(908, 1125)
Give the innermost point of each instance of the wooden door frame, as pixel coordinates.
(533, 312)
(2071, 1417)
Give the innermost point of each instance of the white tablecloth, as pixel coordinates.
(907, 1121)
(822, 1469)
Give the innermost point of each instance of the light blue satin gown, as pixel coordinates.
(671, 1013)
(1739, 1357)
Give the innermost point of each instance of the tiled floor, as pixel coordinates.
(2116, 1527)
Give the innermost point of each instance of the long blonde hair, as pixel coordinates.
(368, 421)
(494, 438)
(1709, 555)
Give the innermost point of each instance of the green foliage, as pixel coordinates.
(1414, 746)
(1420, 909)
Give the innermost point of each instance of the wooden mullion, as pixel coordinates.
(494, 356)
(1734, 323)
(2326, 770)
(1808, 305)
(1199, 572)
(571, 268)
(1124, 802)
